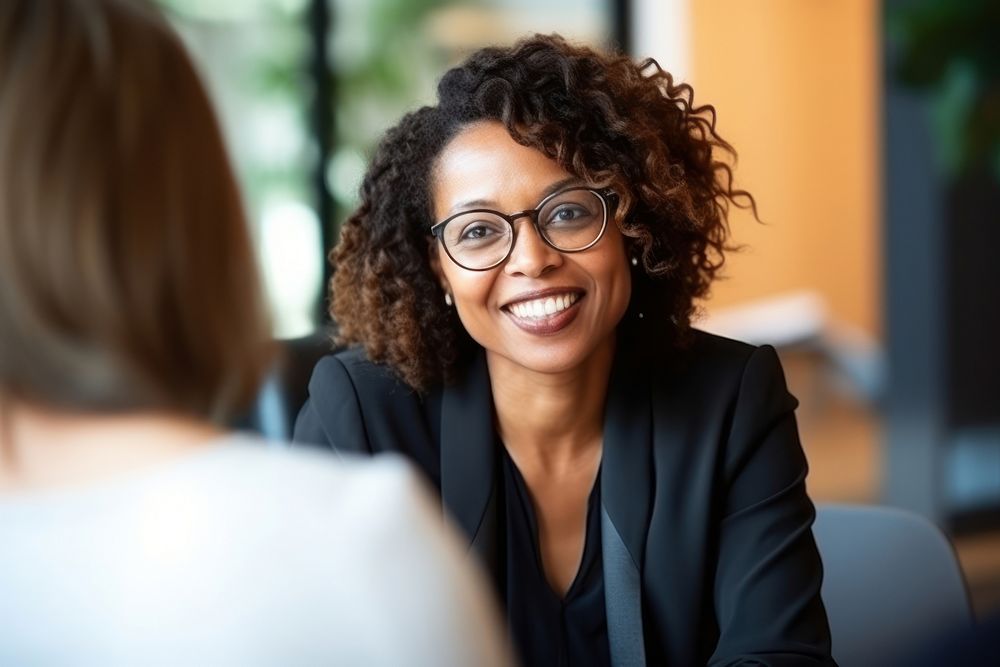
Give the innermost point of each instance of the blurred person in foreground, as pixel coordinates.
(134, 530)
(516, 288)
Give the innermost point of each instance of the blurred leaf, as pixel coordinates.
(951, 49)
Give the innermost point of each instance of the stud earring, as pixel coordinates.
(635, 261)
(448, 300)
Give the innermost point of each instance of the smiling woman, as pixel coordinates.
(516, 288)
(506, 284)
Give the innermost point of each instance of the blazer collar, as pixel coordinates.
(468, 451)
(627, 464)
(626, 501)
(468, 456)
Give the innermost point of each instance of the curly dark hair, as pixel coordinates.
(603, 118)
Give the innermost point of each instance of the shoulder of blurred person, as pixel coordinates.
(223, 557)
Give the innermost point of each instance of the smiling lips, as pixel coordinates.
(544, 314)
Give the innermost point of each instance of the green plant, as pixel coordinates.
(951, 49)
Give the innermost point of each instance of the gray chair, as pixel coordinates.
(891, 583)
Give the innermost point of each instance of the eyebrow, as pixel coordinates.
(489, 203)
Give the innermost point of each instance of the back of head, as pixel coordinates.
(127, 279)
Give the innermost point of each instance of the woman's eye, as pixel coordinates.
(567, 214)
(477, 232)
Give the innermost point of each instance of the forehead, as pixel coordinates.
(483, 164)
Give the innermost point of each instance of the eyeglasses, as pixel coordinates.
(570, 220)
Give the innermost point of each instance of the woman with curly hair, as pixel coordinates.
(516, 290)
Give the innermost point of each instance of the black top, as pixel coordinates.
(550, 631)
(707, 550)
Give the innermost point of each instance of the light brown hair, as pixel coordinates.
(127, 278)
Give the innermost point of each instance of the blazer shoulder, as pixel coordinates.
(713, 375)
(724, 350)
(351, 371)
(358, 405)
(752, 364)
(743, 387)
(709, 360)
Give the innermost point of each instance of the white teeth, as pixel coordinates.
(539, 308)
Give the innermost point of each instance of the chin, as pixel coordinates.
(547, 355)
(541, 359)
(549, 365)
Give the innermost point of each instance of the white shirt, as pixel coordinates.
(241, 555)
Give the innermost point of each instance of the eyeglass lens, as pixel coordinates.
(570, 220)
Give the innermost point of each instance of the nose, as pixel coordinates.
(530, 256)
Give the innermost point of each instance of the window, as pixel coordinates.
(383, 58)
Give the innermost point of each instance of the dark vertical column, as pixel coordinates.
(322, 122)
(621, 24)
(942, 296)
(974, 253)
(972, 486)
(915, 300)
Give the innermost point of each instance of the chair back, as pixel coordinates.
(891, 582)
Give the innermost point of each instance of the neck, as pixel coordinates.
(552, 419)
(42, 447)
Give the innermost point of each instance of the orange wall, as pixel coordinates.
(795, 85)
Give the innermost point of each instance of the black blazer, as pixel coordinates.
(707, 547)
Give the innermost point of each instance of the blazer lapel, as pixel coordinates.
(626, 500)
(468, 459)
(468, 487)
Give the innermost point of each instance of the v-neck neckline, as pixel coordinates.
(591, 530)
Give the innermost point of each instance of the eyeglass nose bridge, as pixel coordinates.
(532, 215)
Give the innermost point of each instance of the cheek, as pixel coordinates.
(621, 291)
(625, 283)
(617, 275)
(470, 289)
(472, 304)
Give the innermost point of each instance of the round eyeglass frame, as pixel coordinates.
(606, 195)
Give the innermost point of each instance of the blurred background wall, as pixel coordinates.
(796, 86)
(868, 132)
